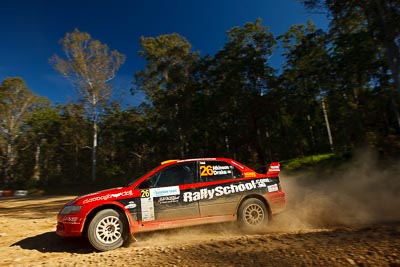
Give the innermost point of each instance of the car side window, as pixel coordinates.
(183, 173)
(217, 170)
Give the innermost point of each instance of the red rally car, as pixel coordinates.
(175, 194)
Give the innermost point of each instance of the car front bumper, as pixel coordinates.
(68, 225)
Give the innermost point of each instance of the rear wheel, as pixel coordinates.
(108, 230)
(252, 215)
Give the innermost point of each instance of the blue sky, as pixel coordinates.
(31, 31)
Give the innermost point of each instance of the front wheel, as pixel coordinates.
(107, 230)
(252, 215)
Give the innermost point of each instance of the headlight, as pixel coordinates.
(70, 210)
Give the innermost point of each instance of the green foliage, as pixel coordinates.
(167, 82)
(169, 63)
(365, 36)
(304, 82)
(17, 103)
(336, 91)
(306, 162)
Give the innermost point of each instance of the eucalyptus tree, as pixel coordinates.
(167, 82)
(128, 144)
(43, 131)
(90, 66)
(73, 159)
(380, 20)
(307, 79)
(236, 81)
(17, 103)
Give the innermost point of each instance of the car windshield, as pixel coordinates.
(138, 178)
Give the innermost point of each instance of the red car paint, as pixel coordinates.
(212, 192)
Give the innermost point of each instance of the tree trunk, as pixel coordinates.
(11, 156)
(328, 127)
(94, 148)
(36, 168)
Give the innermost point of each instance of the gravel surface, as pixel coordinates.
(348, 216)
(27, 238)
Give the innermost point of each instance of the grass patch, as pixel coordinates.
(309, 161)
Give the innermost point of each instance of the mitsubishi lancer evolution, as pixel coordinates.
(175, 194)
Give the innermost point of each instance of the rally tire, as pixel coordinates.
(252, 215)
(107, 230)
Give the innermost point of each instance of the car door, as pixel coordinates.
(222, 198)
(161, 194)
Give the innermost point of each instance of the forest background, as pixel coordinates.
(338, 89)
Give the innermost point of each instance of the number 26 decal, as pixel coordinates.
(206, 170)
(145, 193)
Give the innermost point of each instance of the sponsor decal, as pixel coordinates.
(249, 174)
(109, 196)
(210, 193)
(218, 191)
(131, 205)
(165, 191)
(147, 205)
(71, 220)
(273, 188)
(261, 182)
(168, 199)
(274, 168)
(166, 195)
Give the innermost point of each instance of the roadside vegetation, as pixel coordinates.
(297, 164)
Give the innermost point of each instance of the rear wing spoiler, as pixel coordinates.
(274, 169)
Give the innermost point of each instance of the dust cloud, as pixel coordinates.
(199, 234)
(361, 192)
(364, 191)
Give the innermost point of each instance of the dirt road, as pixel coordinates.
(352, 219)
(27, 238)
